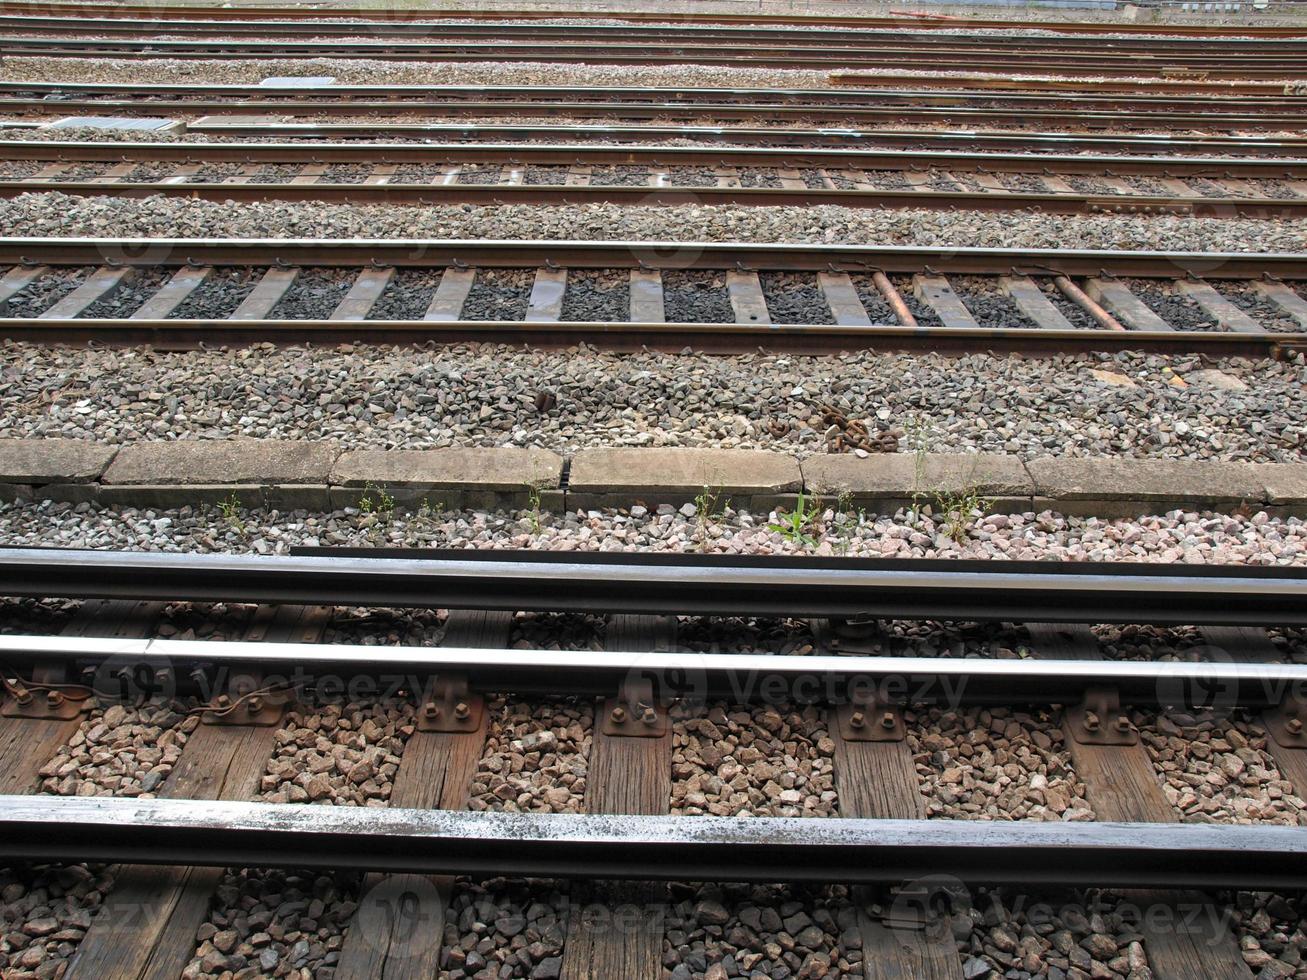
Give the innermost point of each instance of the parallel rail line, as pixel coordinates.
(186, 832)
(667, 191)
(163, 12)
(1284, 67)
(1071, 114)
(589, 154)
(492, 174)
(1114, 318)
(531, 253)
(202, 818)
(666, 33)
(1255, 97)
(1093, 592)
(967, 139)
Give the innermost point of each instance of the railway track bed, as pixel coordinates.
(456, 173)
(1221, 111)
(629, 729)
(446, 774)
(716, 296)
(1274, 61)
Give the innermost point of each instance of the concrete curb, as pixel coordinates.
(291, 475)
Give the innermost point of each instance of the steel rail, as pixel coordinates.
(942, 25)
(1283, 69)
(741, 678)
(918, 84)
(689, 585)
(1262, 96)
(717, 338)
(672, 194)
(581, 154)
(962, 115)
(667, 33)
(744, 136)
(847, 45)
(204, 832)
(528, 253)
(853, 47)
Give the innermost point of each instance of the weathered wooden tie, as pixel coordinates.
(877, 779)
(1121, 784)
(842, 298)
(146, 927)
(28, 744)
(629, 773)
(450, 295)
(398, 929)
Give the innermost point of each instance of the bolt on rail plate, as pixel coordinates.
(870, 718)
(449, 707)
(247, 701)
(1099, 720)
(47, 705)
(1287, 723)
(634, 713)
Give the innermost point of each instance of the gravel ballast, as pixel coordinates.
(1126, 404)
(536, 756)
(720, 931)
(59, 215)
(508, 928)
(1218, 770)
(764, 760)
(45, 911)
(996, 764)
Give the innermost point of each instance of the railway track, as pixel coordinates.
(854, 107)
(273, 127)
(180, 293)
(973, 57)
(463, 27)
(165, 14)
(254, 696)
(1225, 109)
(1064, 738)
(492, 174)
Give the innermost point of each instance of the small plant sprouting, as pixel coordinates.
(844, 519)
(382, 504)
(794, 526)
(427, 513)
(956, 509)
(533, 504)
(230, 509)
(918, 432)
(708, 506)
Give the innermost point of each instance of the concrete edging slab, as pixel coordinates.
(304, 475)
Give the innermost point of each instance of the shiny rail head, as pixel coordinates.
(653, 847)
(128, 668)
(1087, 592)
